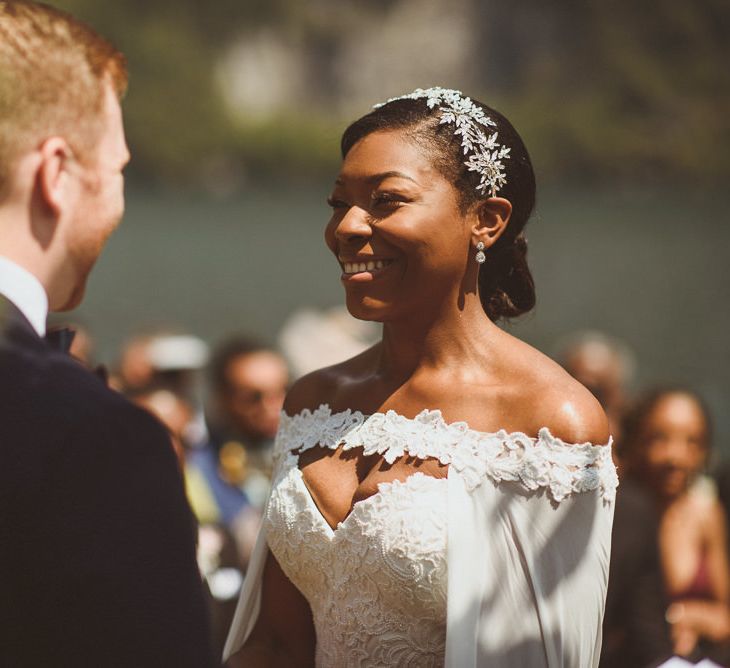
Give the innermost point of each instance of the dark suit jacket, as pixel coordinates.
(97, 554)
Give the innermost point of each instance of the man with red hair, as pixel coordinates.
(97, 558)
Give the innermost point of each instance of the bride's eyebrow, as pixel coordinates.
(374, 179)
(377, 178)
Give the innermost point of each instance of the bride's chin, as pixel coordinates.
(367, 309)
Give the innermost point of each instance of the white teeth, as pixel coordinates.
(372, 265)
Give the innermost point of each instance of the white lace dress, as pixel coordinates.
(503, 563)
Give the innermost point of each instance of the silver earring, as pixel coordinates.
(480, 256)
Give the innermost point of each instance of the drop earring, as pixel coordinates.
(480, 256)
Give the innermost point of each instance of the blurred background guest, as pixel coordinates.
(663, 449)
(722, 480)
(635, 632)
(171, 408)
(248, 383)
(134, 368)
(160, 356)
(165, 360)
(216, 554)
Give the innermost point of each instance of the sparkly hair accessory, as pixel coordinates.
(484, 153)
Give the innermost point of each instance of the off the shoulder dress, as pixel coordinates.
(502, 564)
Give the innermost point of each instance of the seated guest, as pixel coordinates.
(664, 447)
(722, 480)
(217, 557)
(635, 632)
(248, 385)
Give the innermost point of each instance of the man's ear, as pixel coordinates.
(52, 176)
(493, 216)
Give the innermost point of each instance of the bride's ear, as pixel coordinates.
(493, 216)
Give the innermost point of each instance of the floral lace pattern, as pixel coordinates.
(545, 462)
(377, 583)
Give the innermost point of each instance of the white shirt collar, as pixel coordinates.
(26, 292)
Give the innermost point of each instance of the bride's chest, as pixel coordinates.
(337, 480)
(392, 544)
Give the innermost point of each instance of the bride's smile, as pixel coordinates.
(364, 268)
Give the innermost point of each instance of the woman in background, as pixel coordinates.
(665, 442)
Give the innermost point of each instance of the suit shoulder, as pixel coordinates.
(72, 398)
(61, 423)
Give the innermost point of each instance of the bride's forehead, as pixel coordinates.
(392, 153)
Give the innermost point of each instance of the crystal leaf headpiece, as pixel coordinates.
(484, 153)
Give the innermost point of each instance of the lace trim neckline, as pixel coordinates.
(545, 461)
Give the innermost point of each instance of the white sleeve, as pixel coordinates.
(249, 603)
(527, 576)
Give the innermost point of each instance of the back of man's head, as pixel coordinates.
(52, 74)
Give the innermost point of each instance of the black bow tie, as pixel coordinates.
(60, 338)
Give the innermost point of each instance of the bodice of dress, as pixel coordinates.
(378, 583)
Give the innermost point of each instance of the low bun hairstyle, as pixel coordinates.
(506, 288)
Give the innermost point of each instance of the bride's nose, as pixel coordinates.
(354, 225)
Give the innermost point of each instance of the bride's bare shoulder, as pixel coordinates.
(550, 397)
(321, 386)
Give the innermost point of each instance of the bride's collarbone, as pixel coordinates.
(338, 479)
(484, 406)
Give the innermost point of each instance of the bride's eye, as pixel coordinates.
(387, 200)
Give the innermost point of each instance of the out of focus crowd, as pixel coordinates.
(669, 584)
(669, 581)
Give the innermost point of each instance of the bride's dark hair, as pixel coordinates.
(506, 288)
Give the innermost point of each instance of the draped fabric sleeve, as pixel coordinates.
(249, 603)
(300, 432)
(527, 574)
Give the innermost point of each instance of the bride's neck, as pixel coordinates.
(449, 337)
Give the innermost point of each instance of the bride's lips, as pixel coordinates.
(364, 269)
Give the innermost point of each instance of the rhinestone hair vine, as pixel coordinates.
(484, 153)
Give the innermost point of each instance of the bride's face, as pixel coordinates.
(396, 229)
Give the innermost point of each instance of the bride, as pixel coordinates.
(437, 499)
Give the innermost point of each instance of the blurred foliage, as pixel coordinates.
(175, 116)
(620, 91)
